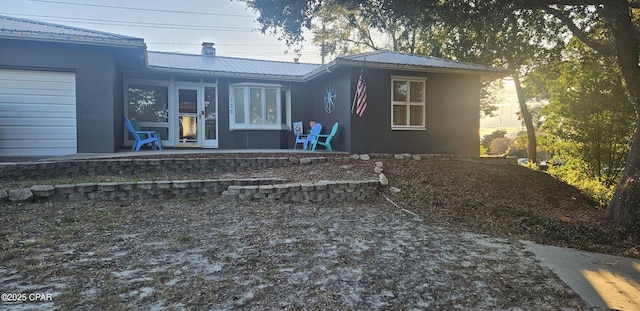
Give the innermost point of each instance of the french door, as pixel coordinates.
(209, 114)
(197, 116)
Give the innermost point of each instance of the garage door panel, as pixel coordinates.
(37, 75)
(20, 87)
(19, 99)
(37, 143)
(34, 151)
(32, 136)
(36, 130)
(39, 118)
(38, 122)
(37, 107)
(10, 89)
(37, 113)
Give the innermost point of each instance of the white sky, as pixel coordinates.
(507, 114)
(167, 25)
(182, 26)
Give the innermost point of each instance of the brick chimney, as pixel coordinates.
(208, 49)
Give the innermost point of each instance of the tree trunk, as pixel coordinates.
(624, 207)
(528, 120)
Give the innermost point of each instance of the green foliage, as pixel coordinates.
(483, 150)
(573, 173)
(521, 140)
(589, 116)
(184, 238)
(341, 28)
(489, 97)
(588, 122)
(502, 145)
(487, 139)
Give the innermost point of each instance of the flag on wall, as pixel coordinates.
(360, 99)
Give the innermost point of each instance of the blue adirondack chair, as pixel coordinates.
(309, 138)
(142, 138)
(327, 139)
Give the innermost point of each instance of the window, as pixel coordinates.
(408, 103)
(257, 106)
(148, 103)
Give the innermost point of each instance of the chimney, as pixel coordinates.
(208, 49)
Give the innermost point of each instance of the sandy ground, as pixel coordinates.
(219, 255)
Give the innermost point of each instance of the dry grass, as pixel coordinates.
(506, 201)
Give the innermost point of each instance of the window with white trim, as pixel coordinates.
(259, 106)
(408, 103)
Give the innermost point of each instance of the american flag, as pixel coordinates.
(360, 100)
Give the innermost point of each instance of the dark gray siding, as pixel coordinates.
(98, 86)
(452, 116)
(341, 80)
(302, 101)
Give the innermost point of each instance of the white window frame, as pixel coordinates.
(280, 123)
(168, 124)
(408, 103)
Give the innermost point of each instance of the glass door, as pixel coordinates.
(188, 131)
(209, 113)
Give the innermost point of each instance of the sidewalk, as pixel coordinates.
(603, 281)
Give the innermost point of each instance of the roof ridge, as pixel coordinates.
(381, 51)
(238, 58)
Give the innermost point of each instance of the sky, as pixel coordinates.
(168, 25)
(182, 26)
(507, 114)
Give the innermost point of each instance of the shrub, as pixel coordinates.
(574, 174)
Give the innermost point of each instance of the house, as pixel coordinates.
(66, 90)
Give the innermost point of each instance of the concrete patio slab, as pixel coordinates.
(603, 281)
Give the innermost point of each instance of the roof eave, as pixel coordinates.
(73, 39)
(491, 74)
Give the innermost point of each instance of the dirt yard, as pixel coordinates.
(217, 254)
(224, 255)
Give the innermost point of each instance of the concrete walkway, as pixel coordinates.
(603, 281)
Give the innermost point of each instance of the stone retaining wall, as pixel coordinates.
(238, 189)
(65, 169)
(323, 191)
(242, 189)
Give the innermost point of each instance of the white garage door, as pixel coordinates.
(37, 113)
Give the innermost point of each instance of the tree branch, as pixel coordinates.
(601, 48)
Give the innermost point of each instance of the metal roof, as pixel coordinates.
(25, 29)
(403, 59)
(228, 66)
(18, 28)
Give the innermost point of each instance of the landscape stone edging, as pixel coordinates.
(322, 191)
(497, 160)
(243, 189)
(143, 189)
